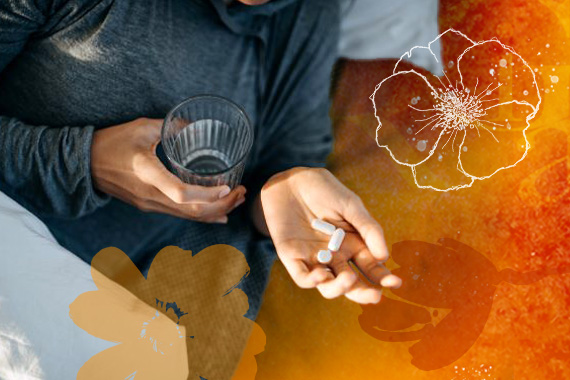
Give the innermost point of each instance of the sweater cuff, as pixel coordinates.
(95, 198)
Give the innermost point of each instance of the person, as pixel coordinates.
(84, 85)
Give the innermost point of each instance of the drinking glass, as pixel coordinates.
(206, 140)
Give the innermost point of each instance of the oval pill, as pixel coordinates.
(324, 256)
(336, 239)
(322, 226)
(391, 281)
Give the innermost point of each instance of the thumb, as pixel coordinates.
(151, 171)
(369, 229)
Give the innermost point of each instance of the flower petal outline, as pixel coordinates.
(460, 168)
(432, 150)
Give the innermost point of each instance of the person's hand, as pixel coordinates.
(291, 200)
(124, 164)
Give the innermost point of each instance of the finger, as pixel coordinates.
(391, 281)
(363, 294)
(342, 283)
(369, 266)
(303, 277)
(225, 205)
(153, 127)
(162, 208)
(210, 213)
(216, 220)
(151, 206)
(151, 171)
(370, 230)
(152, 130)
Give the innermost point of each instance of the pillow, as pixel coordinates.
(387, 29)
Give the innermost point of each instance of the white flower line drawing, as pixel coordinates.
(456, 110)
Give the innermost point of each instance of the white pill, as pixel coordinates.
(336, 239)
(324, 256)
(322, 226)
(391, 281)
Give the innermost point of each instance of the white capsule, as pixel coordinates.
(336, 239)
(391, 281)
(322, 226)
(324, 256)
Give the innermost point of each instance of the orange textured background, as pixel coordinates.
(519, 219)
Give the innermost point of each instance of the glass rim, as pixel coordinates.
(236, 106)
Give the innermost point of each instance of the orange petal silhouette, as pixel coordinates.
(174, 272)
(187, 319)
(112, 263)
(247, 367)
(124, 361)
(440, 275)
(392, 315)
(454, 334)
(219, 337)
(106, 316)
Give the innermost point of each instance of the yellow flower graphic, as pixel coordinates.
(184, 321)
(466, 124)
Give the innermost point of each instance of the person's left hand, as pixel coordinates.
(291, 200)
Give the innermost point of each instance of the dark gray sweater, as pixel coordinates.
(69, 67)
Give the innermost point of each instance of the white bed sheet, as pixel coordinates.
(38, 281)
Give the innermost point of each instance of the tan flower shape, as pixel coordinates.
(464, 125)
(184, 321)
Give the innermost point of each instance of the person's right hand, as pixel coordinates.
(124, 165)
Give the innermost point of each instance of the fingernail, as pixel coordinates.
(391, 281)
(384, 259)
(379, 298)
(223, 220)
(225, 191)
(239, 202)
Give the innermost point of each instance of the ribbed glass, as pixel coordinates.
(206, 140)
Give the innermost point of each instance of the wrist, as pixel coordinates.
(92, 166)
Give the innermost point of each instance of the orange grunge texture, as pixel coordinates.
(486, 289)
